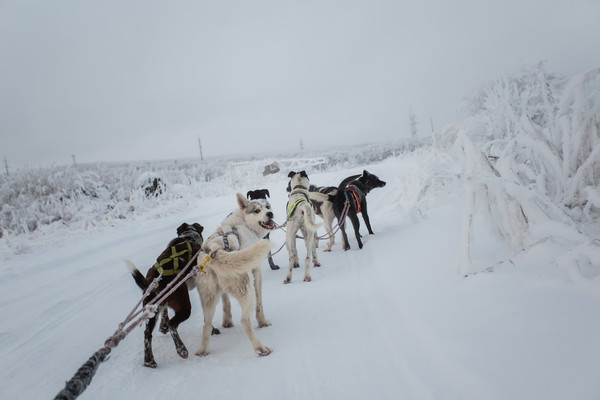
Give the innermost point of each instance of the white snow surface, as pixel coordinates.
(396, 320)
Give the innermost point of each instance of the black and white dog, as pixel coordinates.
(262, 194)
(355, 193)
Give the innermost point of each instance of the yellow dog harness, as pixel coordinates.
(292, 207)
(163, 266)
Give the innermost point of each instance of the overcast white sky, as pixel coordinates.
(141, 80)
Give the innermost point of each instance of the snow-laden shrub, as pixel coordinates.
(530, 148)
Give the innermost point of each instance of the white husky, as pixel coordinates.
(301, 217)
(238, 248)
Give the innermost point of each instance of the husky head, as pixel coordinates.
(257, 214)
(298, 180)
(370, 181)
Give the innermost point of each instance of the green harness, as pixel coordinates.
(170, 266)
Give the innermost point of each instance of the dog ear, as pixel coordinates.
(242, 201)
(198, 227)
(249, 193)
(266, 192)
(366, 173)
(292, 173)
(303, 174)
(182, 228)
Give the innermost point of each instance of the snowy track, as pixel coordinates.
(393, 320)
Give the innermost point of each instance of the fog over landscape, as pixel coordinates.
(127, 81)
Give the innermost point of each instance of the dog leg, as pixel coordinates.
(227, 317)
(272, 263)
(365, 216)
(247, 301)
(328, 219)
(179, 345)
(356, 225)
(148, 355)
(180, 303)
(260, 311)
(313, 251)
(310, 251)
(345, 243)
(290, 244)
(270, 257)
(164, 321)
(209, 305)
(307, 277)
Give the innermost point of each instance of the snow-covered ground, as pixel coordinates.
(396, 320)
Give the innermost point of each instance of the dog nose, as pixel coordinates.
(270, 214)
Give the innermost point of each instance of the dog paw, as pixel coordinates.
(264, 324)
(274, 267)
(287, 280)
(150, 364)
(202, 353)
(317, 264)
(263, 351)
(227, 324)
(307, 279)
(296, 265)
(215, 331)
(183, 353)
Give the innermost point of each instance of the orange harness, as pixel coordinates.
(352, 187)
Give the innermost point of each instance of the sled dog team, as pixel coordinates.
(237, 249)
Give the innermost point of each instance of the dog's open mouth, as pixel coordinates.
(270, 224)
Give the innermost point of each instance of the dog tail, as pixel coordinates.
(346, 181)
(318, 196)
(309, 220)
(139, 279)
(240, 261)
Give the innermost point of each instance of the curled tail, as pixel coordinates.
(240, 261)
(139, 279)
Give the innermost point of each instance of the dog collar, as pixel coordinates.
(299, 187)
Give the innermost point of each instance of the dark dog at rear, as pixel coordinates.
(355, 192)
(262, 194)
(169, 263)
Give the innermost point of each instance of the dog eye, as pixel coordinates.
(256, 211)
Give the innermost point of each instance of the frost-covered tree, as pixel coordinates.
(530, 147)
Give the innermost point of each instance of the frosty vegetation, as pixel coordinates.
(82, 197)
(524, 148)
(529, 146)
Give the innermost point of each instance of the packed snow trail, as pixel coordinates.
(393, 320)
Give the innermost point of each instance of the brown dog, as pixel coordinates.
(169, 263)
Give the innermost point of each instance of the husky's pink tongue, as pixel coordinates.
(270, 224)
